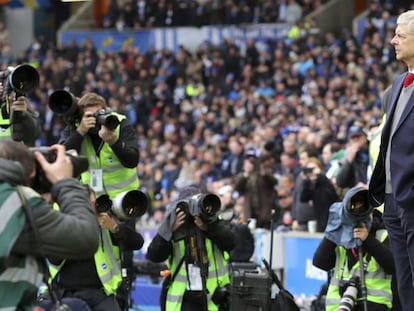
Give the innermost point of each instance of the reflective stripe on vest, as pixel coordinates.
(218, 275)
(107, 263)
(377, 282)
(116, 177)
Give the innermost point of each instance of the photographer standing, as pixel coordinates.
(24, 127)
(72, 233)
(112, 151)
(110, 143)
(198, 252)
(354, 230)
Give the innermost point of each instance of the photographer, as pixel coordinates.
(72, 233)
(353, 230)
(113, 153)
(198, 258)
(110, 143)
(25, 126)
(96, 279)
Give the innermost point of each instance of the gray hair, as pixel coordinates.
(408, 19)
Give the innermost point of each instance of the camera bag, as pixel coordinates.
(284, 300)
(249, 288)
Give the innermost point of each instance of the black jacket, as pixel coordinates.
(126, 147)
(220, 233)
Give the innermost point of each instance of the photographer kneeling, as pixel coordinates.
(197, 245)
(72, 233)
(355, 249)
(96, 279)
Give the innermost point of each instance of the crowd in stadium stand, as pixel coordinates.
(138, 14)
(199, 115)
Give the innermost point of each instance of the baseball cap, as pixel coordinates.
(355, 130)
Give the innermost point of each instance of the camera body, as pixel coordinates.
(104, 117)
(126, 205)
(204, 205)
(40, 182)
(349, 291)
(65, 104)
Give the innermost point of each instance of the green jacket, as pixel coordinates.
(20, 275)
(72, 233)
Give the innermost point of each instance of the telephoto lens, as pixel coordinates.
(348, 300)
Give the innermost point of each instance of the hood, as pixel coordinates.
(11, 172)
(165, 229)
(344, 217)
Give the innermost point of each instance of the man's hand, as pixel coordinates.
(351, 151)
(62, 168)
(200, 224)
(107, 222)
(361, 232)
(107, 135)
(19, 104)
(88, 121)
(179, 219)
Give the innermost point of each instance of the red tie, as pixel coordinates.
(409, 78)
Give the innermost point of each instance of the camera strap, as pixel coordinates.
(54, 295)
(177, 269)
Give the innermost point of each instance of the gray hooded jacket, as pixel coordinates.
(72, 233)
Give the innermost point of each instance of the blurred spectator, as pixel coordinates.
(283, 221)
(293, 12)
(354, 165)
(258, 186)
(332, 154)
(232, 162)
(302, 211)
(318, 191)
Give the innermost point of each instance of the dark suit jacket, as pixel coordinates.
(402, 154)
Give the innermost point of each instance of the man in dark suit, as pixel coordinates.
(392, 180)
